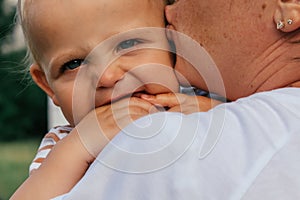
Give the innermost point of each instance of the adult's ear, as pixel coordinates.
(39, 77)
(287, 15)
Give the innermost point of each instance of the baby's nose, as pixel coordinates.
(110, 77)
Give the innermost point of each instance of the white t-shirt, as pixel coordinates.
(248, 149)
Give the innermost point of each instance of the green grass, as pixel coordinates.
(15, 158)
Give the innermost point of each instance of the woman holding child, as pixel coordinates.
(246, 149)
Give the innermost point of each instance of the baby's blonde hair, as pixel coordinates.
(21, 16)
(29, 57)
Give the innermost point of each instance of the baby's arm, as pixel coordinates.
(70, 157)
(60, 171)
(48, 142)
(182, 103)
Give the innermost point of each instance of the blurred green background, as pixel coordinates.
(23, 107)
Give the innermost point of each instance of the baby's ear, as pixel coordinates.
(39, 77)
(287, 15)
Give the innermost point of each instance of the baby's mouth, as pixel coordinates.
(128, 95)
(119, 97)
(138, 94)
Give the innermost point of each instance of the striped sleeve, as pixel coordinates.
(49, 140)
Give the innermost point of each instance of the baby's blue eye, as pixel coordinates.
(127, 44)
(73, 64)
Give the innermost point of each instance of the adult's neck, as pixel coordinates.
(282, 64)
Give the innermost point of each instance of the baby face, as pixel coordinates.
(93, 53)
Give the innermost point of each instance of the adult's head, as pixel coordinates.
(255, 44)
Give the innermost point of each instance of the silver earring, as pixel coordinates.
(280, 24)
(289, 21)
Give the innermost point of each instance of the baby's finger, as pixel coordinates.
(132, 107)
(163, 100)
(141, 103)
(176, 109)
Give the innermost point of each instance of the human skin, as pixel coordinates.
(251, 54)
(61, 38)
(57, 42)
(242, 39)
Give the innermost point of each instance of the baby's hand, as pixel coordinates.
(182, 103)
(103, 123)
(114, 117)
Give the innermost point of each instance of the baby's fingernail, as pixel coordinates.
(146, 96)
